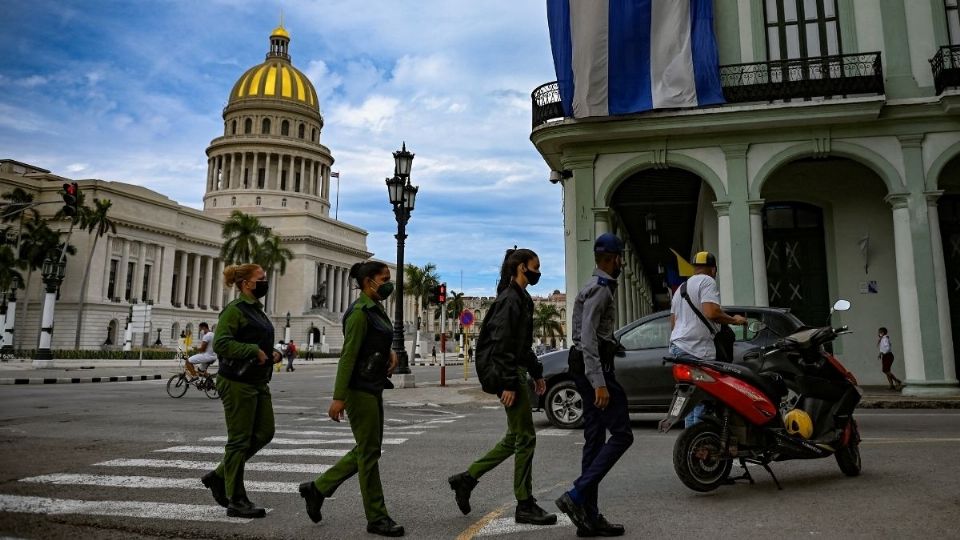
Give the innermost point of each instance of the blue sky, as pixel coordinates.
(133, 91)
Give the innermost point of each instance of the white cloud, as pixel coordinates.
(373, 114)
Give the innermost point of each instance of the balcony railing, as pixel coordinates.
(802, 78)
(946, 67)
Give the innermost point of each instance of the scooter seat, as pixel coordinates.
(771, 384)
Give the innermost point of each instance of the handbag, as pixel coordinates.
(722, 339)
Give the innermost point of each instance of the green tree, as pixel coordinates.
(242, 234)
(97, 220)
(417, 281)
(37, 242)
(455, 305)
(546, 321)
(272, 257)
(8, 267)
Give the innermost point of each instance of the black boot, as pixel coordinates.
(314, 499)
(529, 512)
(385, 527)
(217, 488)
(242, 507)
(577, 514)
(462, 484)
(602, 527)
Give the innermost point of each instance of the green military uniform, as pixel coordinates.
(243, 330)
(367, 331)
(520, 441)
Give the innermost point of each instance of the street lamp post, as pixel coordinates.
(403, 197)
(52, 270)
(10, 314)
(286, 330)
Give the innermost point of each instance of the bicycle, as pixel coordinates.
(180, 382)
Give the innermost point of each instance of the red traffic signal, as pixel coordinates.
(442, 293)
(70, 195)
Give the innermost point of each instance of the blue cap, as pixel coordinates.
(608, 243)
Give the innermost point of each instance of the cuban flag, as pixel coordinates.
(626, 56)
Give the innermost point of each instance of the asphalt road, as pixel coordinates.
(123, 460)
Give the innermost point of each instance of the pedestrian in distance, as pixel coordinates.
(591, 362)
(504, 358)
(366, 363)
(885, 356)
(696, 318)
(244, 343)
(290, 353)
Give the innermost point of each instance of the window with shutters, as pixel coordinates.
(802, 28)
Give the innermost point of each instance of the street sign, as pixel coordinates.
(466, 317)
(140, 318)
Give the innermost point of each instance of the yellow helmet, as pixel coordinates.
(798, 422)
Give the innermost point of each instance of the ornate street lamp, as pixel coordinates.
(286, 330)
(403, 196)
(53, 270)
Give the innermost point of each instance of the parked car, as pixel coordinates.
(648, 382)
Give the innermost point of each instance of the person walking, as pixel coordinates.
(696, 316)
(366, 363)
(886, 359)
(604, 400)
(504, 358)
(290, 353)
(244, 343)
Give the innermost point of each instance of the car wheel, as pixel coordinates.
(564, 405)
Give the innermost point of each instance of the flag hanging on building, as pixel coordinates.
(334, 174)
(626, 56)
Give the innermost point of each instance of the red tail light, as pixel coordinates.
(682, 373)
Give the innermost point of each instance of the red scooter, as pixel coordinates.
(794, 400)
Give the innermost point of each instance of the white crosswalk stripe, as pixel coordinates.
(333, 433)
(322, 452)
(281, 440)
(147, 482)
(135, 509)
(260, 466)
(509, 526)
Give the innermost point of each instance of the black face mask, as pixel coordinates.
(533, 277)
(261, 288)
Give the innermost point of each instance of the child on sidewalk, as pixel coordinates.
(886, 359)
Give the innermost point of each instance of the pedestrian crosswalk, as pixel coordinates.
(169, 476)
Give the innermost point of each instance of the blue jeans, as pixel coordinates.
(696, 414)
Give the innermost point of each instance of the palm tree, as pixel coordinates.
(272, 256)
(417, 281)
(241, 234)
(97, 220)
(455, 305)
(8, 267)
(38, 242)
(546, 321)
(16, 207)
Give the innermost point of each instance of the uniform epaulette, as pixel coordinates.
(603, 282)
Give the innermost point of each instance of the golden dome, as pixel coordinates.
(276, 78)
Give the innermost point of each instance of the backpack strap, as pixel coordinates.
(683, 293)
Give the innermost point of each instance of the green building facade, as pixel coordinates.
(833, 171)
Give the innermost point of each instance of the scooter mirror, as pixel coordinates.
(841, 305)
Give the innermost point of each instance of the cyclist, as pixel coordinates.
(205, 356)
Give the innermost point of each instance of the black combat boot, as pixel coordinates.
(385, 527)
(217, 488)
(577, 514)
(602, 527)
(314, 500)
(462, 484)
(529, 512)
(242, 507)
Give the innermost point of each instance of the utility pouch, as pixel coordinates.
(373, 368)
(575, 362)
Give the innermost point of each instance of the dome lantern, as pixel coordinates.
(279, 44)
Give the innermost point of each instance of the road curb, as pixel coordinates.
(910, 404)
(76, 380)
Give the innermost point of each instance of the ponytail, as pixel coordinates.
(513, 259)
(235, 273)
(366, 269)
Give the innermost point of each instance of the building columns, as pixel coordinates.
(122, 271)
(106, 270)
(760, 289)
(255, 177)
(940, 284)
(182, 280)
(218, 285)
(195, 281)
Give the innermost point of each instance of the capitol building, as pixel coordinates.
(269, 162)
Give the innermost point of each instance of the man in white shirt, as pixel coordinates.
(690, 335)
(206, 356)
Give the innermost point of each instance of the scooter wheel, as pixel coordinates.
(848, 458)
(697, 459)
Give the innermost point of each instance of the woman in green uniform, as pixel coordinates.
(244, 343)
(366, 363)
(504, 357)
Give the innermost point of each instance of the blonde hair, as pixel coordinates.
(235, 273)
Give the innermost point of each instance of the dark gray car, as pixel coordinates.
(648, 382)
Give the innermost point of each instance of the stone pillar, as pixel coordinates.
(255, 174)
(195, 280)
(136, 291)
(738, 228)
(243, 171)
(122, 270)
(328, 276)
(218, 285)
(724, 252)
(303, 188)
(106, 269)
(206, 298)
(279, 171)
(182, 280)
(337, 283)
(760, 289)
(940, 284)
(345, 290)
(209, 175)
(269, 182)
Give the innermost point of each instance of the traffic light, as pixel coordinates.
(71, 195)
(442, 293)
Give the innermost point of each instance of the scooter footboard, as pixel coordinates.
(685, 398)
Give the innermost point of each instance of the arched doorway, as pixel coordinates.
(948, 210)
(796, 259)
(663, 210)
(313, 335)
(112, 330)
